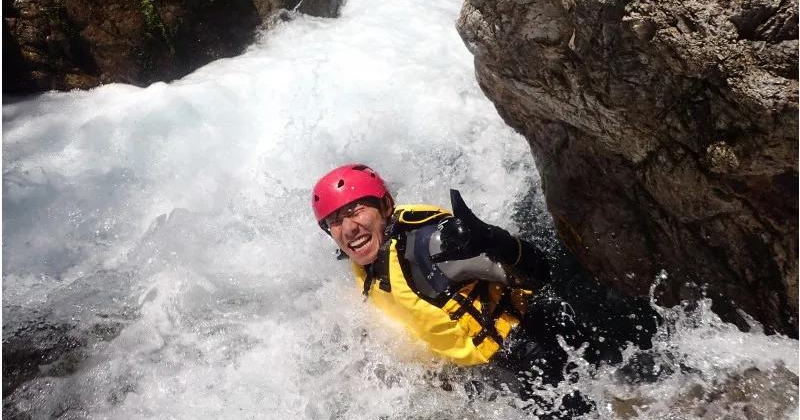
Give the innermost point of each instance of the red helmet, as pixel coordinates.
(343, 185)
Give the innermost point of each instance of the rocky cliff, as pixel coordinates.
(665, 134)
(67, 44)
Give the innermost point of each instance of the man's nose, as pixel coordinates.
(349, 226)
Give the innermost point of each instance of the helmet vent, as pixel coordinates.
(316, 197)
(360, 167)
(340, 184)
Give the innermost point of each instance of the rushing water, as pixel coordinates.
(161, 256)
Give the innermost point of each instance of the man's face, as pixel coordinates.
(358, 230)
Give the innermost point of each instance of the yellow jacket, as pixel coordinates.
(457, 326)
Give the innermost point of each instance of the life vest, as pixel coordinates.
(467, 325)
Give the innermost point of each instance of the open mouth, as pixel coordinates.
(359, 242)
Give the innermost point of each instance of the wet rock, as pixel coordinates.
(31, 345)
(69, 44)
(51, 339)
(752, 394)
(321, 8)
(665, 134)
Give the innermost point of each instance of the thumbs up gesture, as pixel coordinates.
(465, 236)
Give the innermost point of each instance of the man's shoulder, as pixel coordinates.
(420, 208)
(408, 217)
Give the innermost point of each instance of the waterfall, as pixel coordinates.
(159, 244)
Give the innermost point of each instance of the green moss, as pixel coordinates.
(155, 25)
(151, 16)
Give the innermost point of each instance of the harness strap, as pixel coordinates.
(483, 317)
(367, 282)
(487, 318)
(504, 304)
(464, 303)
(407, 220)
(379, 270)
(478, 339)
(400, 223)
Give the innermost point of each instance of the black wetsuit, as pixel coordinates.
(570, 306)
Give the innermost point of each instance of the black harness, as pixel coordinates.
(395, 229)
(379, 271)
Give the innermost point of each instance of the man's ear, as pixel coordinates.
(387, 206)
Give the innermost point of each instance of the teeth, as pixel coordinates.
(358, 243)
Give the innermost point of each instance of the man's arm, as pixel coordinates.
(532, 270)
(465, 236)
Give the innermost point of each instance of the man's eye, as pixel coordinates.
(354, 210)
(338, 218)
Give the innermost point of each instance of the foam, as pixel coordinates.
(199, 191)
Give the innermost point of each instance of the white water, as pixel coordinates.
(180, 212)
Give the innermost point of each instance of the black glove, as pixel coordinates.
(465, 236)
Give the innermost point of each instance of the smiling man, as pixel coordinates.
(457, 283)
(358, 226)
(465, 287)
(462, 286)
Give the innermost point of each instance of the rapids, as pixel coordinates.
(161, 260)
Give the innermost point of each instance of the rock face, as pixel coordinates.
(665, 133)
(322, 8)
(67, 44)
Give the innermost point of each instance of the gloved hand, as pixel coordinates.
(465, 236)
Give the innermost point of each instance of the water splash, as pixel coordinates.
(164, 237)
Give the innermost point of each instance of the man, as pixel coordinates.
(462, 286)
